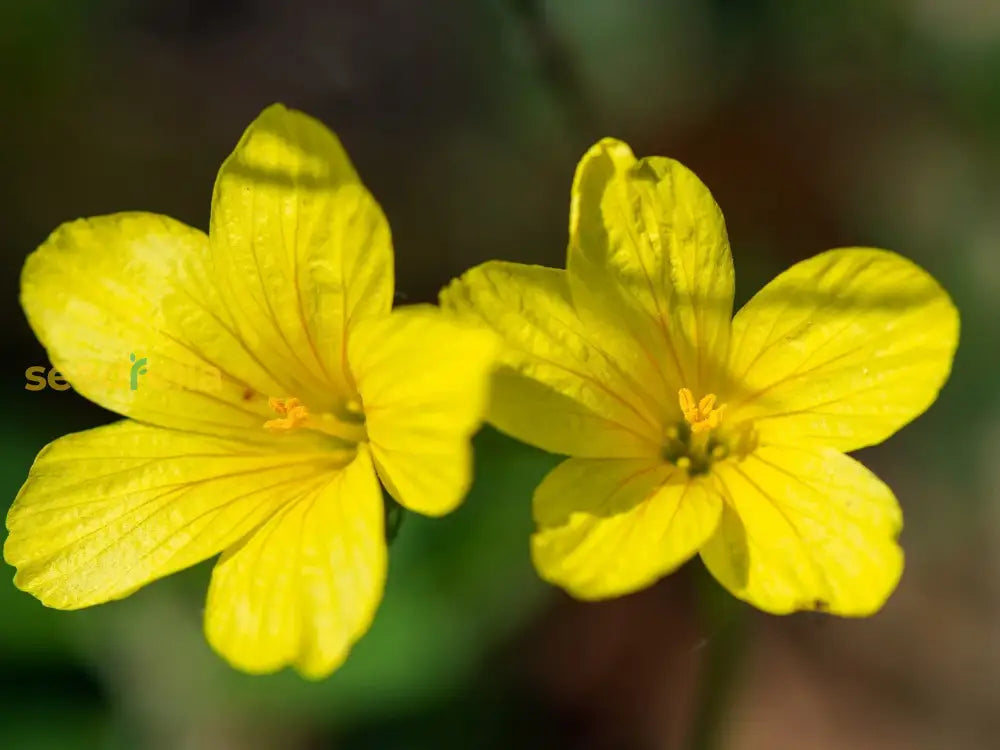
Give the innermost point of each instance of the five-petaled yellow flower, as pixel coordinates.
(693, 431)
(320, 391)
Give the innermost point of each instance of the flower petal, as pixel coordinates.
(423, 378)
(648, 251)
(101, 289)
(300, 247)
(304, 587)
(842, 349)
(108, 510)
(557, 388)
(806, 528)
(608, 527)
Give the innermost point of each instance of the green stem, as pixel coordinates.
(724, 622)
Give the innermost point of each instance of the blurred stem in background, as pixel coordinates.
(725, 638)
(555, 65)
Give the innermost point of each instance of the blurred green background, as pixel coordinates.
(815, 125)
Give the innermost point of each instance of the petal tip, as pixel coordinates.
(613, 147)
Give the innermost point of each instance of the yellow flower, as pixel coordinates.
(693, 431)
(319, 392)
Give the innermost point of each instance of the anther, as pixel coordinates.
(702, 415)
(292, 412)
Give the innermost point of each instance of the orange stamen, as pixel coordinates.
(701, 415)
(293, 414)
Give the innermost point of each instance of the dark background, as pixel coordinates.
(815, 125)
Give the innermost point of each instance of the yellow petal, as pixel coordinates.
(806, 528)
(102, 289)
(607, 527)
(557, 388)
(304, 587)
(648, 251)
(842, 349)
(423, 378)
(105, 511)
(300, 247)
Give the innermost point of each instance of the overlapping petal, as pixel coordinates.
(607, 527)
(300, 248)
(101, 289)
(423, 379)
(806, 528)
(842, 349)
(105, 511)
(302, 588)
(649, 255)
(556, 388)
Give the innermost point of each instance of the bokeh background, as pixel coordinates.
(816, 125)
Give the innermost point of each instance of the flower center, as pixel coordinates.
(348, 423)
(701, 439)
